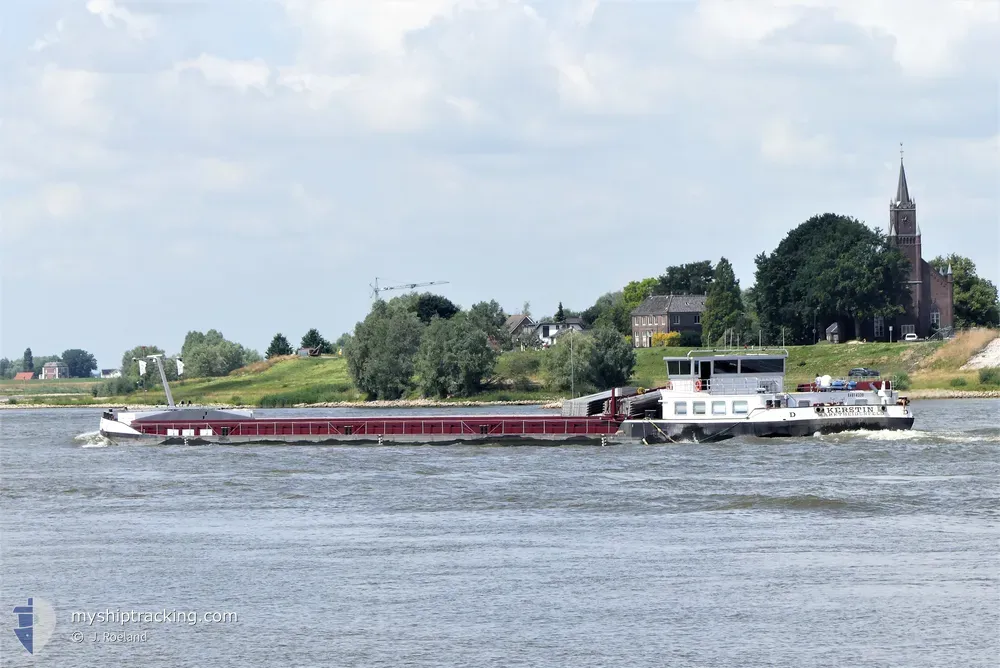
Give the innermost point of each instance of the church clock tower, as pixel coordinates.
(905, 233)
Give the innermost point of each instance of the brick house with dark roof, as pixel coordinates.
(666, 313)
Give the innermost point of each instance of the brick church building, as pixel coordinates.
(931, 291)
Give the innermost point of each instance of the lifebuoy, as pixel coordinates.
(697, 386)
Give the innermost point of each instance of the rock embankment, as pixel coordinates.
(987, 357)
(951, 394)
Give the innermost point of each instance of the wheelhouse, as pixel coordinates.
(728, 372)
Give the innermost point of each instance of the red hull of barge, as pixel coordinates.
(414, 429)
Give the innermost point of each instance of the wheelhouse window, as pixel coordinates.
(679, 367)
(698, 407)
(680, 408)
(726, 366)
(739, 408)
(762, 365)
(718, 408)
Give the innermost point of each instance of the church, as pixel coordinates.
(931, 291)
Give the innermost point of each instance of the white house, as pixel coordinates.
(548, 331)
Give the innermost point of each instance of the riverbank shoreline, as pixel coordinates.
(916, 395)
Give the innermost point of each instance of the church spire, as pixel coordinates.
(902, 192)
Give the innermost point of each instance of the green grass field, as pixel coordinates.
(293, 380)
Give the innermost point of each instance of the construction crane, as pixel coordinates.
(376, 288)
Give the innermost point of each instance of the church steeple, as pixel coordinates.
(902, 191)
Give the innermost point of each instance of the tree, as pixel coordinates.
(612, 359)
(79, 363)
(489, 318)
(211, 354)
(610, 310)
(313, 339)
(567, 364)
(830, 268)
(975, 302)
(686, 279)
(636, 292)
(279, 346)
(429, 305)
(454, 358)
(28, 361)
(130, 365)
(723, 305)
(526, 309)
(381, 354)
(6, 368)
(560, 314)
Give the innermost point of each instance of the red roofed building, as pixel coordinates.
(24, 375)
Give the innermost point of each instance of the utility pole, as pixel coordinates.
(572, 366)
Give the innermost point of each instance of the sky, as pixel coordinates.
(252, 166)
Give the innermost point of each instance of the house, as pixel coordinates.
(833, 333)
(518, 323)
(24, 375)
(665, 314)
(111, 373)
(53, 370)
(549, 329)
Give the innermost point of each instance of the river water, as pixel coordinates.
(847, 550)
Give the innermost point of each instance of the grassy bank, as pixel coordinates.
(289, 381)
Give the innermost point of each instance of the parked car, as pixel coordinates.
(911, 337)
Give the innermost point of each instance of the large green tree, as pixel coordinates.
(567, 364)
(79, 362)
(455, 357)
(381, 354)
(723, 305)
(830, 268)
(130, 365)
(976, 302)
(313, 339)
(610, 310)
(6, 368)
(429, 305)
(692, 278)
(211, 354)
(27, 361)
(489, 318)
(612, 359)
(279, 346)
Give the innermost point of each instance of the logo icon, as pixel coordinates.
(36, 622)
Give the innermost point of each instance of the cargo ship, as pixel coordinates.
(710, 396)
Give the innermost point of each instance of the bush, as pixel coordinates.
(115, 387)
(690, 339)
(316, 394)
(519, 366)
(989, 375)
(666, 339)
(958, 382)
(902, 382)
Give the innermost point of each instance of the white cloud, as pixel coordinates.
(782, 142)
(239, 74)
(50, 38)
(69, 98)
(139, 26)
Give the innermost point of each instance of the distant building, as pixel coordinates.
(665, 314)
(549, 329)
(111, 373)
(931, 291)
(54, 370)
(519, 323)
(833, 333)
(24, 375)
